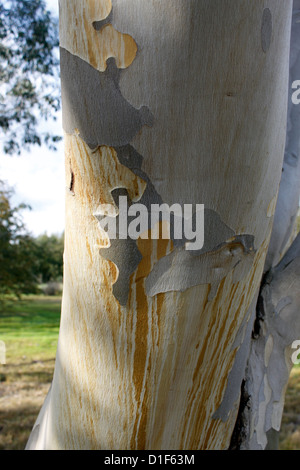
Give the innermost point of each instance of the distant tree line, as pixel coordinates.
(26, 262)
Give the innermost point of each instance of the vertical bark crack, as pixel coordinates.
(240, 431)
(72, 181)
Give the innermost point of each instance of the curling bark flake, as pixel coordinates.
(171, 102)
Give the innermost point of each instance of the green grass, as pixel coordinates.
(29, 327)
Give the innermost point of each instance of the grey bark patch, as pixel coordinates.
(266, 30)
(93, 104)
(130, 158)
(126, 256)
(216, 232)
(181, 270)
(125, 253)
(98, 25)
(268, 367)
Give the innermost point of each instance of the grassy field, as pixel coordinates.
(29, 329)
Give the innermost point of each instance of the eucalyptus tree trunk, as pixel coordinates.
(164, 102)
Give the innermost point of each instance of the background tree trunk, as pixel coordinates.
(174, 102)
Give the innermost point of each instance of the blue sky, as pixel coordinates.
(38, 179)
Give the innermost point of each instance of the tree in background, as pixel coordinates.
(17, 261)
(25, 261)
(29, 73)
(49, 257)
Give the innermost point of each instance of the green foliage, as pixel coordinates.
(25, 261)
(29, 73)
(49, 257)
(16, 255)
(30, 326)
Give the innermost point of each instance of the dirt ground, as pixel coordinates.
(24, 386)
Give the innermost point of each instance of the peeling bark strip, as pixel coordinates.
(162, 371)
(270, 360)
(181, 270)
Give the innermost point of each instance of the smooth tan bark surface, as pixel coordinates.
(153, 373)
